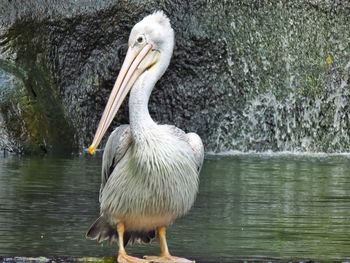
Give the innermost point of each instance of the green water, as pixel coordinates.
(278, 207)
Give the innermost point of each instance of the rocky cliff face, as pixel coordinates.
(263, 75)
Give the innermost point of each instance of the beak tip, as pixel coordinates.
(92, 149)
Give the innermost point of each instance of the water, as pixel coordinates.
(252, 207)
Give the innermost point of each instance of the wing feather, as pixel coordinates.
(198, 149)
(117, 144)
(193, 139)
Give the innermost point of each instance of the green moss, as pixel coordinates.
(313, 87)
(98, 260)
(34, 113)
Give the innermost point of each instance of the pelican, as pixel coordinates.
(150, 172)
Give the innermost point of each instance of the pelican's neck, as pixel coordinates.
(141, 122)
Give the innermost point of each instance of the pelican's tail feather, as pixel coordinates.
(131, 237)
(101, 230)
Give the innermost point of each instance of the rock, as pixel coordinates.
(257, 76)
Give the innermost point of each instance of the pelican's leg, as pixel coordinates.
(122, 256)
(165, 256)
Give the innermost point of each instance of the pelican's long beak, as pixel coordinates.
(137, 60)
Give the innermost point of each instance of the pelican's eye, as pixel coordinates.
(140, 39)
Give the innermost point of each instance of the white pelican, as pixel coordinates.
(149, 171)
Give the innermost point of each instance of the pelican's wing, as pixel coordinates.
(194, 141)
(198, 149)
(118, 143)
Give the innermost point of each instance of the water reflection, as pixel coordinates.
(248, 207)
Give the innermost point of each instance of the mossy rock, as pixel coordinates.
(248, 76)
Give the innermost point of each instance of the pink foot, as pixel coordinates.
(124, 258)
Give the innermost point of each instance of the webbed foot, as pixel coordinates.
(124, 258)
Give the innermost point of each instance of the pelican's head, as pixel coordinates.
(151, 44)
(154, 30)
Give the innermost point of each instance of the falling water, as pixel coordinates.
(290, 76)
